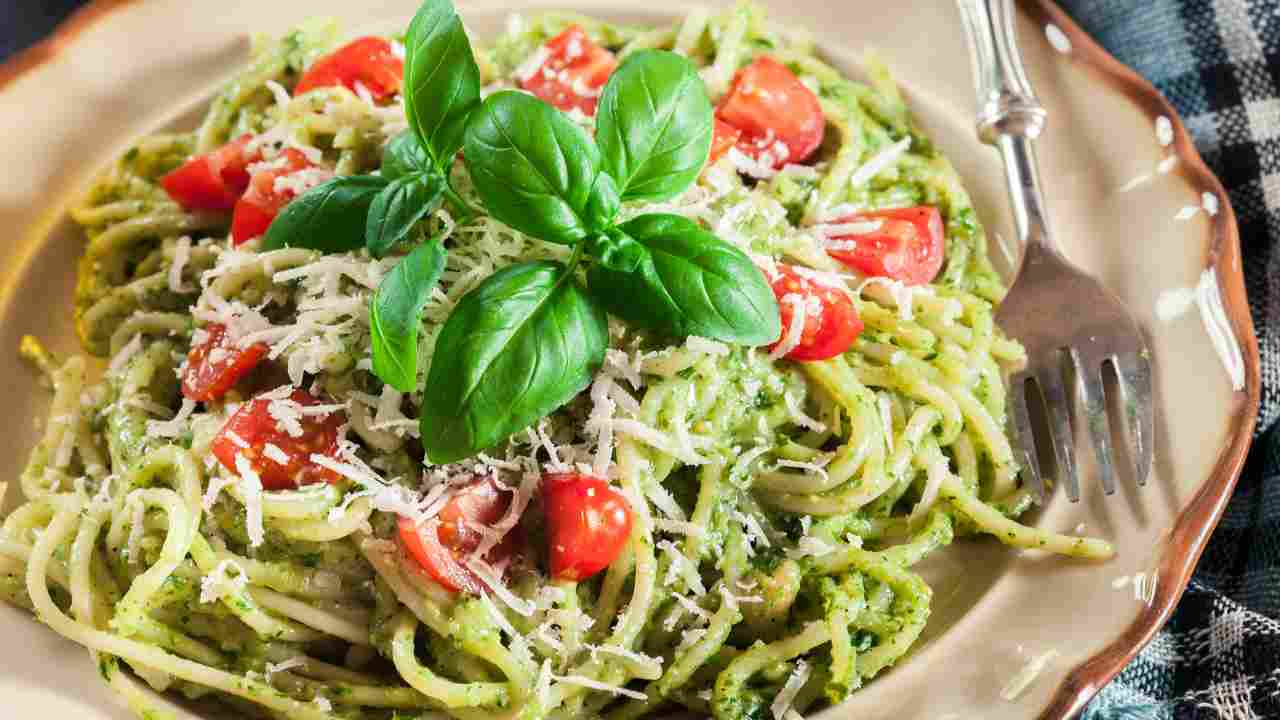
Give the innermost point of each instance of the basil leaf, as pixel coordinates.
(689, 282)
(395, 316)
(535, 169)
(398, 207)
(404, 155)
(654, 125)
(329, 217)
(517, 347)
(441, 80)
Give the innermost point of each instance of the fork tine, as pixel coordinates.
(1058, 411)
(1134, 373)
(1095, 417)
(1023, 435)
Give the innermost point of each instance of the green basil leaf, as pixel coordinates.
(395, 315)
(535, 169)
(689, 282)
(441, 80)
(329, 217)
(404, 155)
(398, 207)
(653, 125)
(517, 347)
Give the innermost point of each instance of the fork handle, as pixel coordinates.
(1009, 114)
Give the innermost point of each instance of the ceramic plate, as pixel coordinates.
(121, 69)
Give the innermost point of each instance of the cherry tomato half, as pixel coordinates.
(368, 61)
(780, 119)
(441, 546)
(908, 246)
(588, 523)
(573, 73)
(831, 322)
(262, 202)
(212, 181)
(216, 364)
(252, 428)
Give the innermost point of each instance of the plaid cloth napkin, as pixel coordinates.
(1219, 62)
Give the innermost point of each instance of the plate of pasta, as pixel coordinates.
(575, 362)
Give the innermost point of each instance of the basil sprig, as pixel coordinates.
(529, 338)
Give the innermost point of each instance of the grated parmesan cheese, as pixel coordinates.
(795, 331)
(790, 689)
(217, 484)
(587, 682)
(936, 475)
(126, 353)
(251, 490)
(749, 166)
(181, 256)
(176, 426)
(274, 453)
(219, 583)
(879, 162)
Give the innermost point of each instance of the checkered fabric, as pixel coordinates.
(1218, 61)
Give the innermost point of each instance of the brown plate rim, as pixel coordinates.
(1187, 538)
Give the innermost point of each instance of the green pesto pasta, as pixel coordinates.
(777, 507)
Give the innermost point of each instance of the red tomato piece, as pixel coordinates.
(831, 322)
(441, 545)
(588, 523)
(368, 61)
(248, 432)
(780, 119)
(723, 137)
(908, 246)
(215, 365)
(262, 202)
(212, 181)
(574, 71)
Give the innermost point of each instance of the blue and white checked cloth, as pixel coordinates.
(1219, 62)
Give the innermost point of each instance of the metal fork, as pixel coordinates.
(1071, 326)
